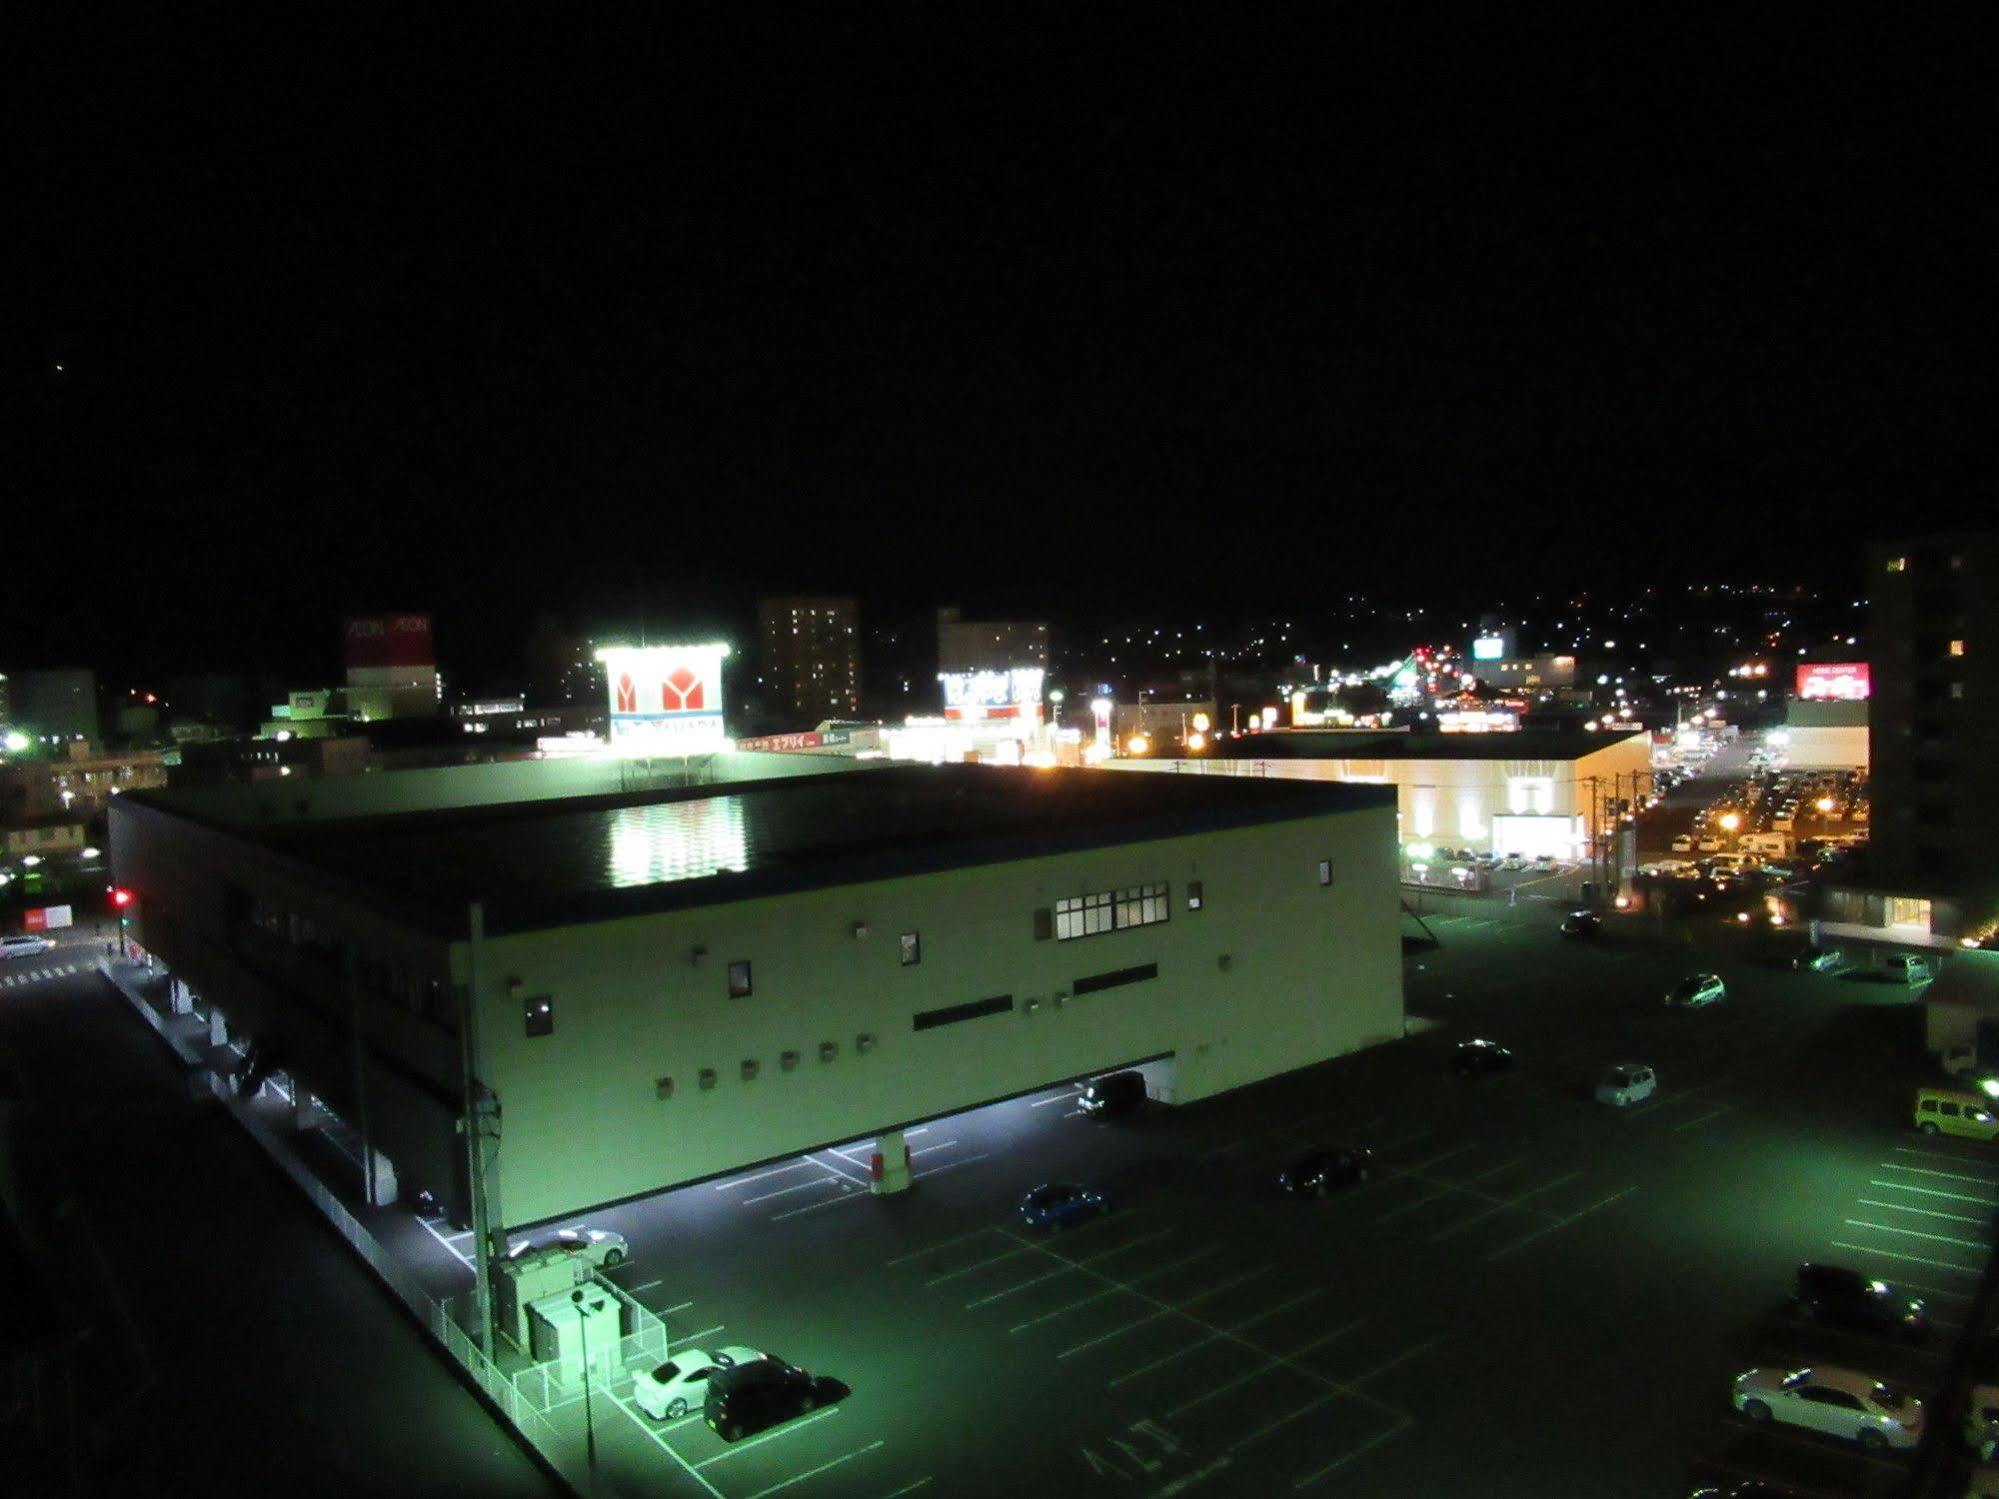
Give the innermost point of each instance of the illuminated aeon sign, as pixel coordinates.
(993, 694)
(390, 640)
(669, 696)
(1488, 648)
(1844, 681)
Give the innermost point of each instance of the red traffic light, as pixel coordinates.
(120, 897)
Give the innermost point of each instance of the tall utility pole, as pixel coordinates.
(480, 1117)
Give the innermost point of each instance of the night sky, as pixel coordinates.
(1064, 311)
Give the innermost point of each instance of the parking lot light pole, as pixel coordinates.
(589, 1425)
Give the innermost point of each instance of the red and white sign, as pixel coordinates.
(667, 697)
(46, 918)
(1843, 682)
(979, 695)
(390, 640)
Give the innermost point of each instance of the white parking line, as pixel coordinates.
(687, 1338)
(1512, 1202)
(739, 1448)
(1911, 1285)
(664, 1446)
(1060, 1310)
(815, 1472)
(1936, 1192)
(1285, 1420)
(668, 1311)
(1198, 1343)
(1888, 1228)
(917, 1254)
(909, 1488)
(1869, 1202)
(946, 1145)
(1369, 1445)
(1546, 1229)
(1449, 1188)
(649, 1285)
(1927, 1171)
(949, 1275)
(1704, 1118)
(757, 1176)
(817, 1181)
(1913, 1259)
(450, 1247)
(813, 1207)
(857, 1180)
(1042, 1103)
(924, 1176)
(1945, 1155)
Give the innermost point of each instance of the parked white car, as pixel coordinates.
(1697, 990)
(680, 1385)
(1843, 1402)
(1907, 968)
(674, 1388)
(27, 945)
(603, 1247)
(1626, 1083)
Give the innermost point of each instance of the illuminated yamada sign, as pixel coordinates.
(666, 698)
(992, 694)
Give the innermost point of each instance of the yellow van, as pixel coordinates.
(1945, 1111)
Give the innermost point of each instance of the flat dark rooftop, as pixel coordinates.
(1367, 744)
(551, 863)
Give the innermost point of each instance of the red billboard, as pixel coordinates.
(1839, 682)
(389, 640)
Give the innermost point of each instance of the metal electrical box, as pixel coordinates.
(527, 1278)
(563, 1329)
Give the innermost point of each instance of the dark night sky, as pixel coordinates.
(1073, 309)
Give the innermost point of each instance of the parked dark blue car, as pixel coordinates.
(1058, 1205)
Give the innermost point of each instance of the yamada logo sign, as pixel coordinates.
(665, 690)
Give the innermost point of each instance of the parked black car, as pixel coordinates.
(748, 1397)
(1114, 1093)
(1846, 1298)
(1480, 1055)
(1316, 1175)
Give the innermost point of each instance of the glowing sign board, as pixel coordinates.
(665, 698)
(1488, 648)
(993, 694)
(1843, 681)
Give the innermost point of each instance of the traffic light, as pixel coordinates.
(120, 897)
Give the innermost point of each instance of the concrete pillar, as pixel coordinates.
(892, 1151)
(218, 1028)
(380, 1180)
(180, 998)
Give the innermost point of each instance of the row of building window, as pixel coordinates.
(1108, 911)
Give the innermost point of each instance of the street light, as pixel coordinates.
(583, 1333)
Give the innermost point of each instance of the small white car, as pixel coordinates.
(27, 945)
(1683, 844)
(1626, 1083)
(1843, 1402)
(674, 1388)
(1697, 990)
(603, 1247)
(680, 1385)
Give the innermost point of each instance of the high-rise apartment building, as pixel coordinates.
(811, 656)
(1932, 871)
(1933, 648)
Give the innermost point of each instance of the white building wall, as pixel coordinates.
(1276, 971)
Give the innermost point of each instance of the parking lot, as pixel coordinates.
(1530, 1280)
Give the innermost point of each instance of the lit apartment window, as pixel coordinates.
(1898, 564)
(1957, 647)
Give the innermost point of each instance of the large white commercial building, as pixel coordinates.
(1526, 792)
(634, 977)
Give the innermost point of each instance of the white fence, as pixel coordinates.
(563, 1450)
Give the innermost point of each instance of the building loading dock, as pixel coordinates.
(638, 981)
